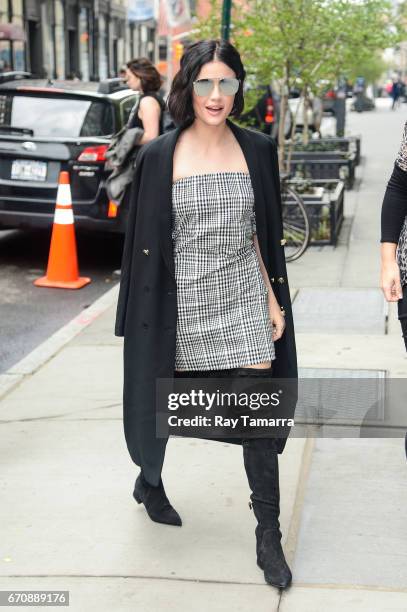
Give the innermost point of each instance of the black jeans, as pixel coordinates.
(402, 314)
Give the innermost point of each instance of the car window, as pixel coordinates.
(57, 116)
(126, 107)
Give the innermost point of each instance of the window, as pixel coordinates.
(60, 39)
(126, 107)
(103, 46)
(18, 45)
(47, 38)
(58, 117)
(5, 55)
(84, 43)
(192, 6)
(162, 48)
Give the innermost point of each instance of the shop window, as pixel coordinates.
(18, 45)
(5, 56)
(47, 39)
(60, 39)
(103, 48)
(162, 49)
(84, 43)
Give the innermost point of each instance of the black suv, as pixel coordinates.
(49, 126)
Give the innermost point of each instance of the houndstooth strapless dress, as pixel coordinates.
(223, 319)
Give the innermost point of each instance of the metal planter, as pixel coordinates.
(324, 165)
(325, 209)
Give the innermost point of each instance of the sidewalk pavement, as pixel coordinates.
(68, 518)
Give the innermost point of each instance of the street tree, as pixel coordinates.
(302, 44)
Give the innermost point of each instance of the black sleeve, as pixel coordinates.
(128, 248)
(394, 207)
(276, 177)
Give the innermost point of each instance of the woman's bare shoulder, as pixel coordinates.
(149, 102)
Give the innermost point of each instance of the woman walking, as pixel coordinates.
(204, 291)
(147, 114)
(394, 239)
(141, 75)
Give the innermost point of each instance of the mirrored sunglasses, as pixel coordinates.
(227, 86)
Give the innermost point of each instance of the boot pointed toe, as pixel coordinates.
(156, 502)
(272, 561)
(169, 516)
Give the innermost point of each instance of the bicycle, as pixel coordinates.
(296, 226)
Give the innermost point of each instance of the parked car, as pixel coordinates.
(46, 127)
(328, 101)
(314, 110)
(265, 114)
(331, 94)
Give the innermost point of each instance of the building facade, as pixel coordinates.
(92, 39)
(84, 39)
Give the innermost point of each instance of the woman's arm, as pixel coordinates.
(276, 315)
(394, 211)
(149, 113)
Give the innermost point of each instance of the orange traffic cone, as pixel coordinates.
(62, 270)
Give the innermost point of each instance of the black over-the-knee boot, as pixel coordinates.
(261, 464)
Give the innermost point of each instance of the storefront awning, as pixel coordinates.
(11, 31)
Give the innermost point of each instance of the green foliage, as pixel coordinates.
(305, 44)
(371, 68)
(209, 27)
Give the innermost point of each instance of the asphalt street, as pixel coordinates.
(31, 314)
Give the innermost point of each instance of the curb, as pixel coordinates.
(50, 347)
(29, 364)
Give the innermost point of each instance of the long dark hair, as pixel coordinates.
(195, 56)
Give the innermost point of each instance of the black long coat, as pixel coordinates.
(147, 305)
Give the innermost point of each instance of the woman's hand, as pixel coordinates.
(275, 313)
(390, 281)
(276, 317)
(390, 274)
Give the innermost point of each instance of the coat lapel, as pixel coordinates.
(166, 171)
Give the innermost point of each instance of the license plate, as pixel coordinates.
(28, 170)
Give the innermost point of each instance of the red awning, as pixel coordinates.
(11, 31)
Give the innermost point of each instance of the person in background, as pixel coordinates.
(396, 92)
(142, 76)
(394, 239)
